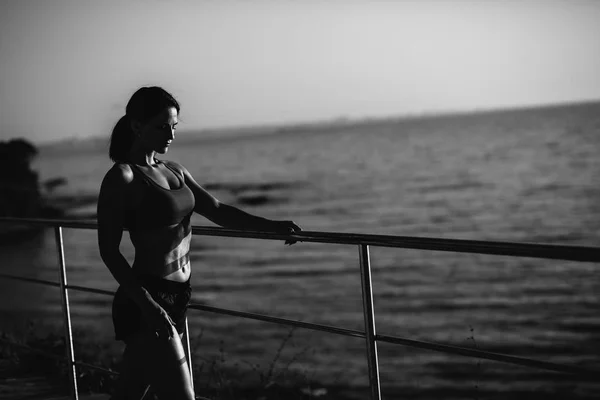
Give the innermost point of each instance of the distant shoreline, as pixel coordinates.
(234, 132)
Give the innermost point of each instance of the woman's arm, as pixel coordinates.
(229, 216)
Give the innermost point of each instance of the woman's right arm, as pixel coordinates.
(113, 204)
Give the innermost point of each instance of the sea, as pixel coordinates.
(520, 175)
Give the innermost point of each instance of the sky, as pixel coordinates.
(68, 67)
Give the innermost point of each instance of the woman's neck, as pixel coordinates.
(139, 156)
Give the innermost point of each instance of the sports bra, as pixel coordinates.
(160, 226)
(160, 206)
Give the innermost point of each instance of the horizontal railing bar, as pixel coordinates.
(32, 280)
(345, 332)
(409, 342)
(65, 223)
(56, 284)
(533, 250)
(92, 366)
(278, 320)
(90, 290)
(526, 362)
(261, 317)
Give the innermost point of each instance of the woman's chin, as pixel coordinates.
(162, 150)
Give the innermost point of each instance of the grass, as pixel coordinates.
(223, 376)
(228, 380)
(218, 377)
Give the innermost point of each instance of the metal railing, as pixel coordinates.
(363, 241)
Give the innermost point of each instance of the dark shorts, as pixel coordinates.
(174, 297)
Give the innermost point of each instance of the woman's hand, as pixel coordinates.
(158, 320)
(286, 227)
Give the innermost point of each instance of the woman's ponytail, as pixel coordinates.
(121, 140)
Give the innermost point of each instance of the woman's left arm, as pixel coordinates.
(229, 216)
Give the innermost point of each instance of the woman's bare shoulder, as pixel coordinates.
(118, 175)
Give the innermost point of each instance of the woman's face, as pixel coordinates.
(158, 133)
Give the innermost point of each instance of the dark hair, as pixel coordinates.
(146, 102)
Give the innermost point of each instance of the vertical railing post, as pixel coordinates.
(369, 313)
(66, 312)
(189, 351)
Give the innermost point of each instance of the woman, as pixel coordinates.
(155, 199)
